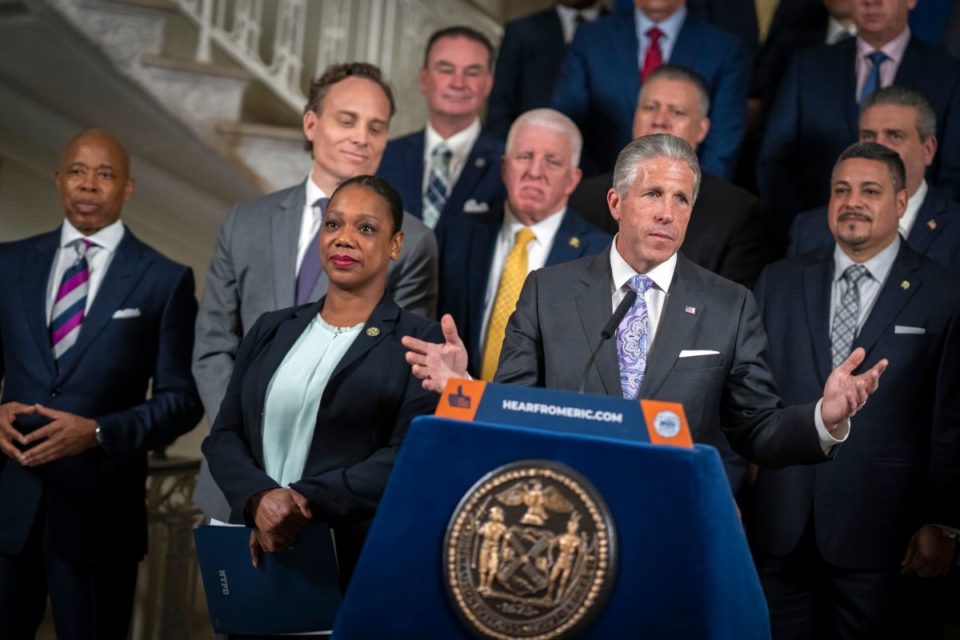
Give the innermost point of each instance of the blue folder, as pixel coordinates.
(293, 591)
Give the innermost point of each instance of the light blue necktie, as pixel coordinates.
(633, 337)
(872, 83)
(439, 185)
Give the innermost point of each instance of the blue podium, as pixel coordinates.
(681, 567)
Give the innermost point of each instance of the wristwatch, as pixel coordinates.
(98, 434)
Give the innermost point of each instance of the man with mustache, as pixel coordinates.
(831, 541)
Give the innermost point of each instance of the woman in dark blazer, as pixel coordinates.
(321, 395)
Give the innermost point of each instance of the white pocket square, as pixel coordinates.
(901, 329)
(692, 353)
(472, 206)
(126, 313)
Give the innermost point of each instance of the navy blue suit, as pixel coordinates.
(898, 470)
(526, 69)
(935, 232)
(600, 81)
(815, 116)
(89, 508)
(466, 254)
(364, 413)
(402, 166)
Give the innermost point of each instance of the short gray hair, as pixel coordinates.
(682, 74)
(903, 97)
(658, 145)
(550, 119)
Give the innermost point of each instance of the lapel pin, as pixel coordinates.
(691, 310)
(575, 242)
(480, 163)
(932, 224)
(373, 332)
(905, 285)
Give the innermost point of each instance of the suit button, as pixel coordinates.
(54, 392)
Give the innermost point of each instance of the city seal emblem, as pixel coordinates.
(530, 552)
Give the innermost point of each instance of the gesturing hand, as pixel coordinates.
(845, 394)
(66, 435)
(437, 363)
(929, 554)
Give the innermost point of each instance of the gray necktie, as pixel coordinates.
(847, 316)
(310, 265)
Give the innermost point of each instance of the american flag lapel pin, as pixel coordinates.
(932, 224)
(691, 310)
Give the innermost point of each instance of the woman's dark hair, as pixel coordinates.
(383, 189)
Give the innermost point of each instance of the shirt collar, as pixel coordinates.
(894, 49)
(913, 207)
(670, 27)
(879, 265)
(107, 238)
(544, 231)
(459, 143)
(314, 193)
(836, 30)
(662, 274)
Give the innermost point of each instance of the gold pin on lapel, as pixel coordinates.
(575, 242)
(932, 224)
(905, 285)
(373, 332)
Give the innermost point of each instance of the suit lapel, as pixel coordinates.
(477, 165)
(901, 285)
(122, 276)
(625, 46)
(593, 306)
(382, 322)
(284, 236)
(36, 275)
(566, 243)
(676, 328)
(411, 191)
(480, 246)
(922, 233)
(817, 286)
(847, 81)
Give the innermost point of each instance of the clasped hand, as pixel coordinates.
(279, 516)
(66, 434)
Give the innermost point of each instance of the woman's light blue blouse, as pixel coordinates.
(293, 397)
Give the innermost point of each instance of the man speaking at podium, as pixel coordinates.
(686, 335)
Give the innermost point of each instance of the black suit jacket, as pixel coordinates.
(935, 232)
(364, 413)
(899, 469)
(726, 231)
(95, 501)
(527, 69)
(815, 116)
(466, 255)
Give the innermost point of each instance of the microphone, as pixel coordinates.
(607, 332)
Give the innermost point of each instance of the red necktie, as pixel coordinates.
(654, 57)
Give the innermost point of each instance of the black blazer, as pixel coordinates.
(364, 413)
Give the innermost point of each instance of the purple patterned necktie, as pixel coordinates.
(633, 340)
(70, 302)
(310, 265)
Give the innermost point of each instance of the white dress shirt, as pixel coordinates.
(310, 222)
(836, 31)
(99, 257)
(869, 287)
(568, 19)
(913, 208)
(537, 252)
(459, 144)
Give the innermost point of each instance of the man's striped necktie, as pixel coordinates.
(70, 302)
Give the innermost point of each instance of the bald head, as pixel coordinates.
(93, 180)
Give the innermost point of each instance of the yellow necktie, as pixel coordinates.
(511, 281)
(765, 10)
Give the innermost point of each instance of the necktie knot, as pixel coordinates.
(523, 237)
(877, 57)
(855, 273)
(442, 154)
(640, 283)
(654, 34)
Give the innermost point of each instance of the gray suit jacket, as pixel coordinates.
(557, 324)
(253, 271)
